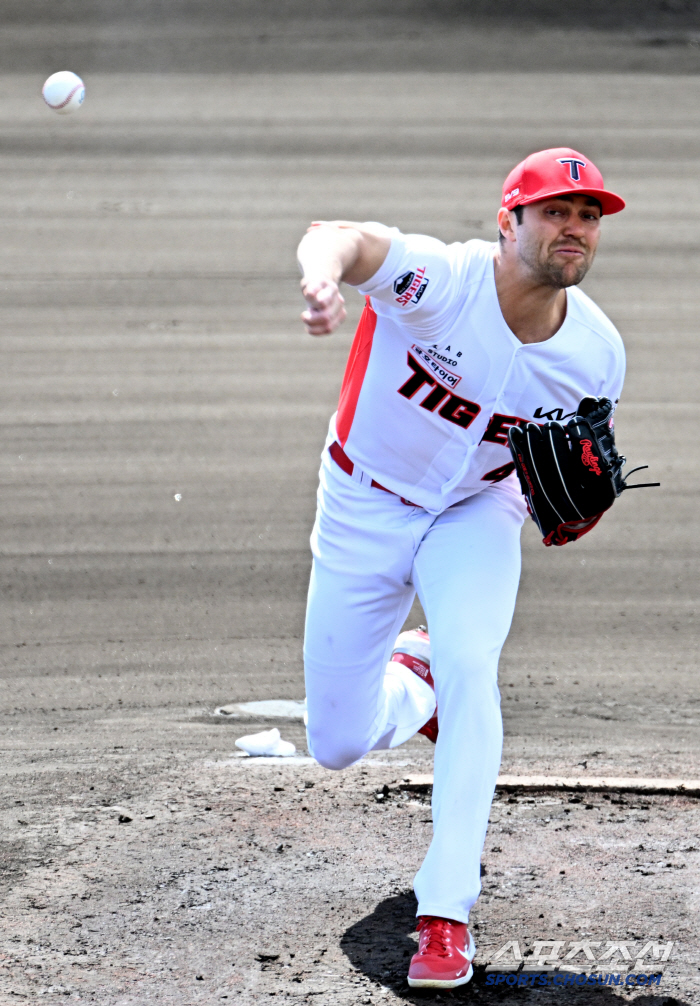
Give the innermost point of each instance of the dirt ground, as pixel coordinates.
(148, 307)
(158, 875)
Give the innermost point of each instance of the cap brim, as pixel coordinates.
(610, 202)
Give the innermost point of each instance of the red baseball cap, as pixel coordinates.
(557, 172)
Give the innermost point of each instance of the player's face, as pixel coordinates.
(558, 238)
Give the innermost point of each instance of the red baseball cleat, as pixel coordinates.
(445, 954)
(412, 649)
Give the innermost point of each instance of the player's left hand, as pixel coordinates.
(570, 475)
(326, 310)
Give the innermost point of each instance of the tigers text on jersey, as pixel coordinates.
(435, 377)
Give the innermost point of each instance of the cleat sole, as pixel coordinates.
(440, 983)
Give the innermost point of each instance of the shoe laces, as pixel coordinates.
(438, 942)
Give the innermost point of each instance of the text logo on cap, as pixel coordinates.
(574, 165)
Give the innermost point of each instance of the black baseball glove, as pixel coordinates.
(570, 475)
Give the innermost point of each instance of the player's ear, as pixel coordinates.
(505, 224)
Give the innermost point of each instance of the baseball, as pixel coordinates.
(64, 92)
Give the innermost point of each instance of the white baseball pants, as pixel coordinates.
(371, 553)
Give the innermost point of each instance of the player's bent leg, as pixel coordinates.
(410, 704)
(341, 731)
(412, 652)
(360, 593)
(466, 571)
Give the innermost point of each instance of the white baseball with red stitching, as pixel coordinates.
(64, 92)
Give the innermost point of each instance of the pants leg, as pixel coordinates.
(466, 572)
(361, 591)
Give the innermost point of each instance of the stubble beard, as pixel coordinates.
(546, 272)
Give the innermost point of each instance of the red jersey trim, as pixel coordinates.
(355, 372)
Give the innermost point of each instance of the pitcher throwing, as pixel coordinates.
(458, 344)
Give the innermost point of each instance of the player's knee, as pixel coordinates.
(467, 679)
(335, 761)
(470, 665)
(334, 753)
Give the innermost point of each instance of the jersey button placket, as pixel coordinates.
(500, 405)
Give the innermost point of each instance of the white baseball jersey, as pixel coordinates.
(436, 378)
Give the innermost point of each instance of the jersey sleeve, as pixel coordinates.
(417, 285)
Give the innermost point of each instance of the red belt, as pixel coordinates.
(344, 462)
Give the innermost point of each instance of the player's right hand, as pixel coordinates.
(326, 305)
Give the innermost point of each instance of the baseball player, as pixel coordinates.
(458, 345)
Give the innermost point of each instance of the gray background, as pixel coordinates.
(260, 36)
